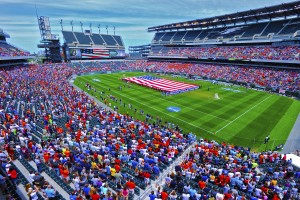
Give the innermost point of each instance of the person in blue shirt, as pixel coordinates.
(86, 189)
(156, 170)
(152, 196)
(50, 192)
(103, 189)
(192, 192)
(73, 196)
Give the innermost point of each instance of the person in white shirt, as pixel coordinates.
(32, 193)
(219, 196)
(186, 196)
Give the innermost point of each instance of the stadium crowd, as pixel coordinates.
(236, 52)
(266, 77)
(221, 171)
(109, 155)
(81, 141)
(7, 50)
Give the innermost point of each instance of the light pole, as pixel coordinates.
(61, 24)
(81, 24)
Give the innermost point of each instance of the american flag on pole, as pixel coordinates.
(95, 53)
(282, 91)
(161, 84)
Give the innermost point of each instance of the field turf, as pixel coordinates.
(241, 116)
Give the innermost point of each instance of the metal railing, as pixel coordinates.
(160, 180)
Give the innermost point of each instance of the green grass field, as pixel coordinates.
(243, 117)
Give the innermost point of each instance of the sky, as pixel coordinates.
(130, 17)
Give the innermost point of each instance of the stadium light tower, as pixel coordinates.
(81, 24)
(61, 24)
(107, 29)
(99, 28)
(114, 30)
(72, 25)
(91, 27)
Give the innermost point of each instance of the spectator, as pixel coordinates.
(3, 185)
(50, 193)
(12, 173)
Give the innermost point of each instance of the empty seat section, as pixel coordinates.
(109, 40)
(253, 29)
(158, 36)
(233, 31)
(191, 35)
(204, 34)
(97, 39)
(274, 27)
(119, 40)
(292, 27)
(82, 39)
(168, 36)
(156, 49)
(69, 36)
(215, 33)
(179, 35)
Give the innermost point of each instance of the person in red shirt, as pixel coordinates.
(227, 196)
(12, 173)
(117, 167)
(201, 184)
(131, 185)
(95, 195)
(164, 195)
(46, 157)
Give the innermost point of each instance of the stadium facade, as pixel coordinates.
(10, 54)
(88, 45)
(275, 27)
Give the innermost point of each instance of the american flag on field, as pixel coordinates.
(161, 84)
(94, 53)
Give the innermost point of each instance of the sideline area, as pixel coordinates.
(293, 142)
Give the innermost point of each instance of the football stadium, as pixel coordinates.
(207, 109)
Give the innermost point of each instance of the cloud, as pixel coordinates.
(131, 17)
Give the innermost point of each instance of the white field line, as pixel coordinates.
(242, 114)
(198, 111)
(167, 114)
(164, 113)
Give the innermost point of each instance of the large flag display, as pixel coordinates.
(161, 84)
(95, 53)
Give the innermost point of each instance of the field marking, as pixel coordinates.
(214, 116)
(242, 114)
(162, 112)
(167, 114)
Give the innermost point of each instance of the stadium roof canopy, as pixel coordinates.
(267, 13)
(2, 33)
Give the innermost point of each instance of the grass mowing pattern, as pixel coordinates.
(243, 118)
